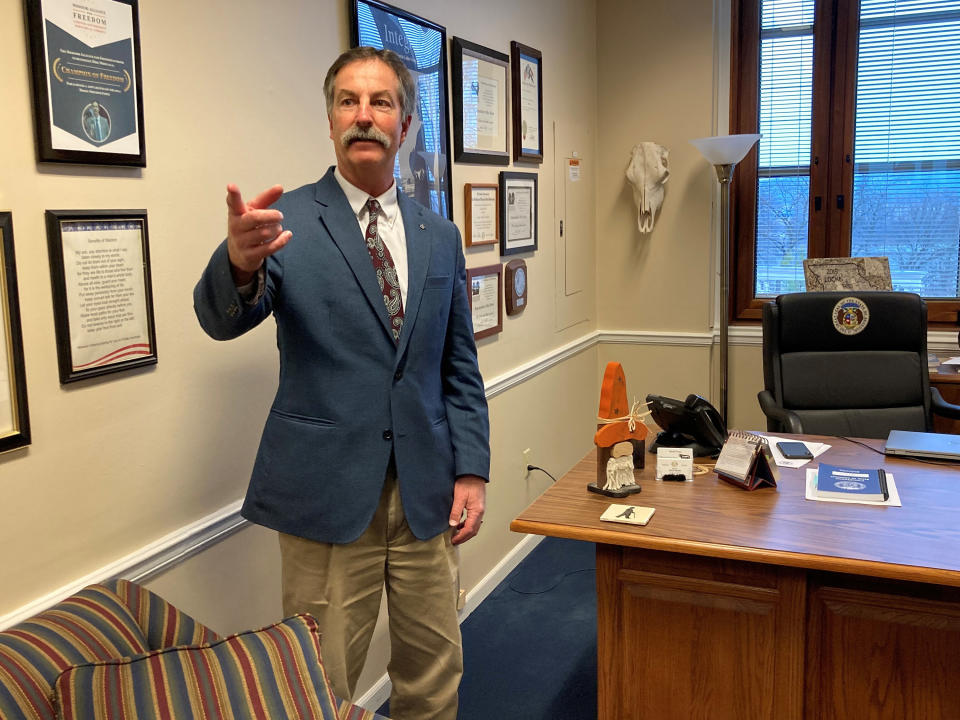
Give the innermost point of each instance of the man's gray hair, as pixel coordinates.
(408, 90)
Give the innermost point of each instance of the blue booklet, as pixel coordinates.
(851, 483)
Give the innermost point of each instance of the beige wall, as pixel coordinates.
(655, 81)
(662, 78)
(118, 462)
(232, 94)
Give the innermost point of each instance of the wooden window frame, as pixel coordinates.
(831, 148)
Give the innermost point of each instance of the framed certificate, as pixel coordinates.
(423, 168)
(526, 74)
(14, 417)
(486, 302)
(481, 206)
(479, 104)
(518, 212)
(102, 296)
(88, 101)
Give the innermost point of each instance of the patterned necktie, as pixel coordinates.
(386, 271)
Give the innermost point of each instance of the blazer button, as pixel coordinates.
(397, 375)
(388, 435)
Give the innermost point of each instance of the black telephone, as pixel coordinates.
(693, 423)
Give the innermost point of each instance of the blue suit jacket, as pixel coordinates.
(348, 395)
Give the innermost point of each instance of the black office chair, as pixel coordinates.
(834, 368)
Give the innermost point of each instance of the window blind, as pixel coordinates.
(786, 86)
(906, 197)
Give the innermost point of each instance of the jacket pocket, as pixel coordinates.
(438, 282)
(307, 419)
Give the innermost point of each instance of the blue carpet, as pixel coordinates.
(530, 648)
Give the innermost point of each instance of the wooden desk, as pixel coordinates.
(946, 379)
(735, 604)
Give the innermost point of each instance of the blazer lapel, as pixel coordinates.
(416, 226)
(341, 224)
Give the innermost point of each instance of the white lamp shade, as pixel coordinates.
(725, 149)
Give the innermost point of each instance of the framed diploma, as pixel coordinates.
(423, 167)
(481, 206)
(87, 96)
(526, 74)
(518, 212)
(102, 296)
(479, 104)
(14, 418)
(486, 303)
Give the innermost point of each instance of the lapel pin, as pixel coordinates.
(422, 226)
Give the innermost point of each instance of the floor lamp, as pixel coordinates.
(724, 152)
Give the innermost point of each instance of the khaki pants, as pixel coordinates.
(341, 586)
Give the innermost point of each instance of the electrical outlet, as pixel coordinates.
(524, 472)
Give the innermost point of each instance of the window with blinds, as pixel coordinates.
(906, 181)
(859, 107)
(783, 183)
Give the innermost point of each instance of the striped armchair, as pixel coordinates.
(119, 651)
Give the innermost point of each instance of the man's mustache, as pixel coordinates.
(356, 133)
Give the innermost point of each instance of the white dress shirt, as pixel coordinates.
(389, 224)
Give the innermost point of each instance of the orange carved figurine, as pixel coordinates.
(619, 438)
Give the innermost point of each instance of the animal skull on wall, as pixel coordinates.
(648, 173)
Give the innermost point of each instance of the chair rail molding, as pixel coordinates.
(176, 547)
(147, 561)
(942, 342)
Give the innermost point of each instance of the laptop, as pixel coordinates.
(922, 444)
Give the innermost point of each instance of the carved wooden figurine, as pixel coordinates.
(619, 438)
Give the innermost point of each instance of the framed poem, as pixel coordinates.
(479, 104)
(518, 212)
(482, 209)
(14, 416)
(102, 293)
(423, 169)
(87, 89)
(526, 76)
(486, 300)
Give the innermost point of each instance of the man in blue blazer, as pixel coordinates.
(374, 458)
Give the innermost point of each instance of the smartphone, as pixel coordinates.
(794, 450)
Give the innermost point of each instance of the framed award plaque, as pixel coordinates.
(515, 286)
(87, 91)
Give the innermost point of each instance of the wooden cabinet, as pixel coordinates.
(682, 637)
(881, 653)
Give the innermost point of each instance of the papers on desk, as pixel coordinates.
(951, 361)
(815, 449)
(893, 500)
